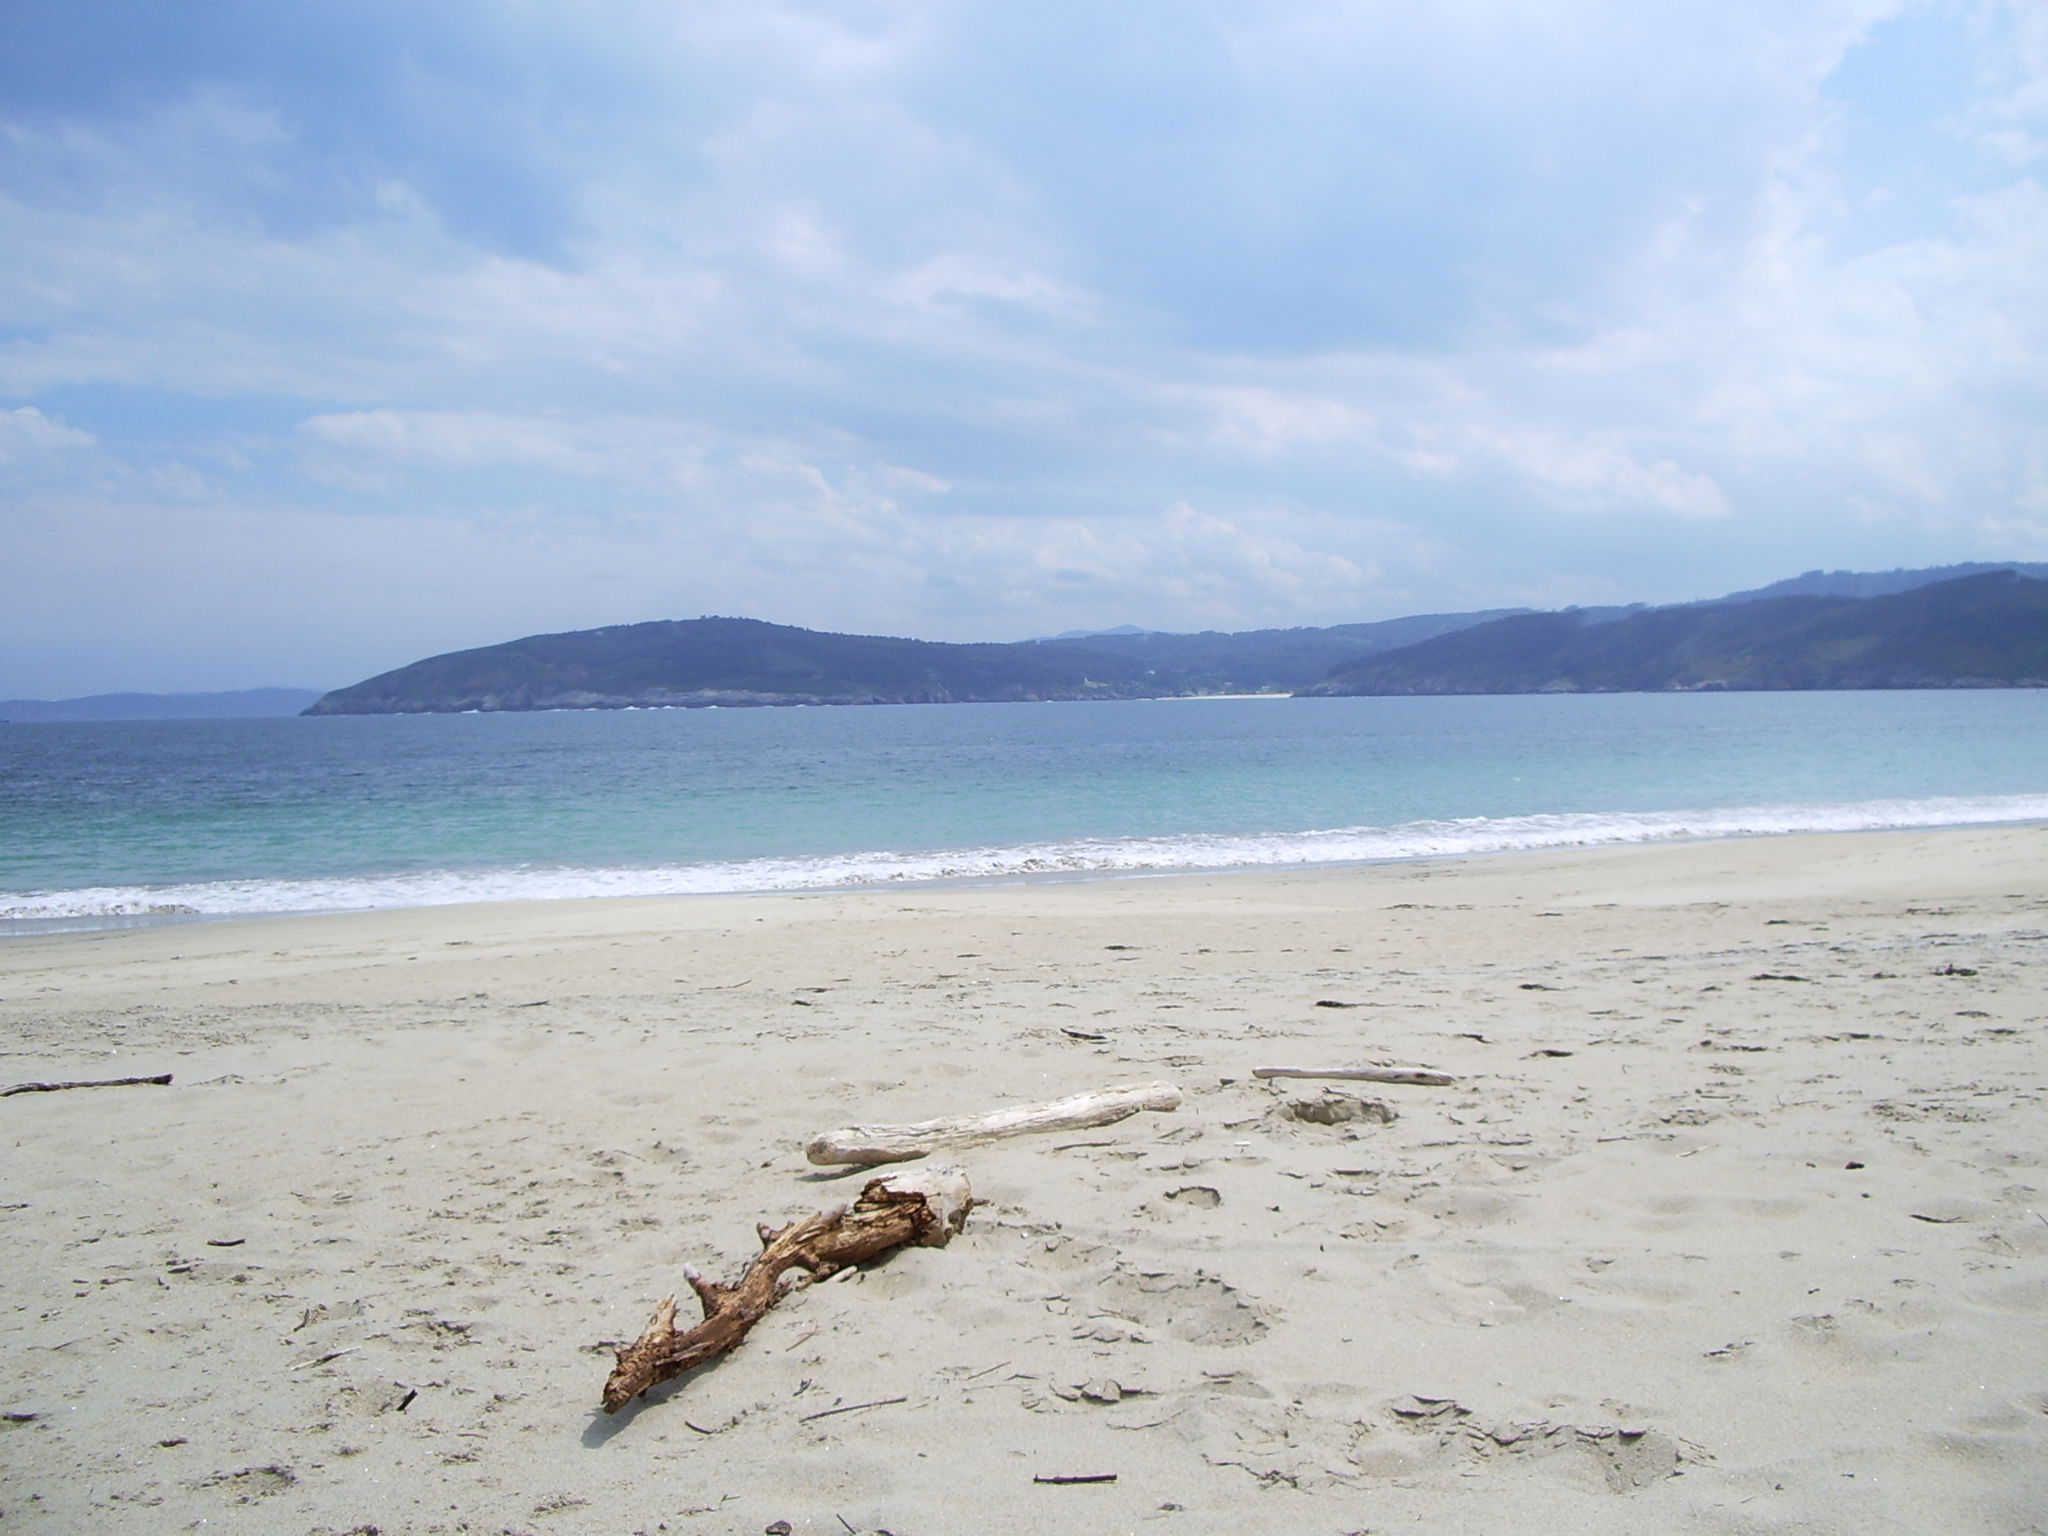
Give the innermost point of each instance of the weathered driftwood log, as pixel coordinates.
(925, 1206)
(864, 1145)
(1415, 1075)
(161, 1079)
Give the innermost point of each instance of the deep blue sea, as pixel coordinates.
(101, 821)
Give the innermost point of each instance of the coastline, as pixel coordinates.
(1728, 1225)
(86, 908)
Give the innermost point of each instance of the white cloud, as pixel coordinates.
(26, 432)
(1586, 473)
(454, 439)
(977, 321)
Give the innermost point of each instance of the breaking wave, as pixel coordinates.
(1080, 857)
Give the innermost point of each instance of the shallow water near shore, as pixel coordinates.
(243, 816)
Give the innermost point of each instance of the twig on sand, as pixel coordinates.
(826, 1413)
(1066, 1481)
(161, 1079)
(332, 1354)
(1415, 1075)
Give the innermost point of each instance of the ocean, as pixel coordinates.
(104, 824)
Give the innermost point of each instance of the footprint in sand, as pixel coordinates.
(1420, 1436)
(2023, 1297)
(1195, 1308)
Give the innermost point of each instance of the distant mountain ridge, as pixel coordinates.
(692, 663)
(1266, 660)
(238, 704)
(1879, 583)
(1982, 630)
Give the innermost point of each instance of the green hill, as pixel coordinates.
(1268, 660)
(1987, 631)
(1981, 631)
(695, 662)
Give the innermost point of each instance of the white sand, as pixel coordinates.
(1685, 1250)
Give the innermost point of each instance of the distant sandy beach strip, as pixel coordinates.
(1735, 1219)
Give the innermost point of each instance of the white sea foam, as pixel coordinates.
(1344, 845)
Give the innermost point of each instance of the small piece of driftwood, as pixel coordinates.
(826, 1413)
(1414, 1075)
(162, 1079)
(865, 1145)
(924, 1206)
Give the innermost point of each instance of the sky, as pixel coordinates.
(341, 333)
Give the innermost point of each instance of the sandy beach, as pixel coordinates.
(1735, 1219)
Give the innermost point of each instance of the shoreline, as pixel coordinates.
(1728, 1223)
(1027, 870)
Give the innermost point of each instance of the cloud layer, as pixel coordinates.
(332, 336)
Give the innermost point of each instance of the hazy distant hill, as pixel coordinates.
(695, 662)
(1267, 660)
(724, 661)
(1877, 583)
(243, 704)
(1986, 631)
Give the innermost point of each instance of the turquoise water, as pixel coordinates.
(295, 815)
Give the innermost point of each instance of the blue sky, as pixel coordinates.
(335, 335)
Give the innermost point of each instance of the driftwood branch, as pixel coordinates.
(864, 1145)
(161, 1079)
(1414, 1075)
(926, 1206)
